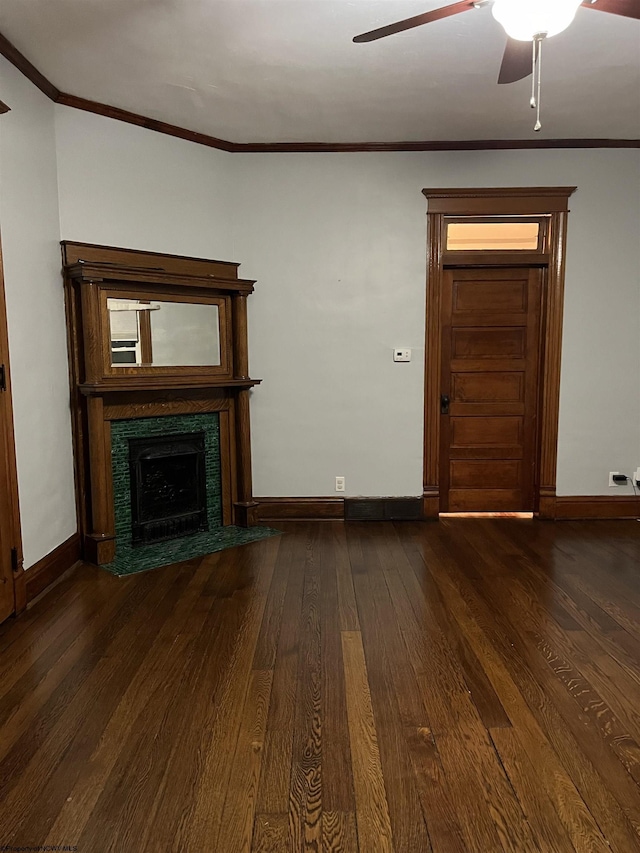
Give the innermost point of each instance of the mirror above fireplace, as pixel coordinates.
(163, 333)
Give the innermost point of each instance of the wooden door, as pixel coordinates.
(7, 600)
(490, 374)
(12, 590)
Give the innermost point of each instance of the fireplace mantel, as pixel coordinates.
(103, 390)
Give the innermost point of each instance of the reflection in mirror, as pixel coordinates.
(163, 334)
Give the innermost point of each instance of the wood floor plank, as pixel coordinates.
(347, 606)
(236, 829)
(594, 714)
(395, 695)
(94, 775)
(469, 686)
(489, 814)
(561, 763)
(81, 706)
(211, 647)
(305, 789)
(136, 785)
(372, 808)
(271, 834)
(536, 804)
(82, 581)
(32, 676)
(339, 833)
(618, 646)
(408, 595)
(273, 789)
(40, 627)
(592, 705)
(605, 672)
(337, 775)
(205, 813)
(436, 797)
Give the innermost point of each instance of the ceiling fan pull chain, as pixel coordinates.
(538, 126)
(532, 102)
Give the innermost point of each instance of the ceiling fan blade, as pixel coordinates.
(517, 62)
(625, 8)
(417, 21)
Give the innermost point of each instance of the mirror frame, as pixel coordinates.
(156, 295)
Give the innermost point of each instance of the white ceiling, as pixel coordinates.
(287, 70)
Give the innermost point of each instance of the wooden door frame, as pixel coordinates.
(8, 452)
(552, 202)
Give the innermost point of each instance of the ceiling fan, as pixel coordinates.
(526, 22)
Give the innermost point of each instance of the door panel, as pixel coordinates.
(494, 297)
(485, 474)
(488, 432)
(488, 343)
(490, 368)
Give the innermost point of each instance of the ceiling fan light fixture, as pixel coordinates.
(523, 20)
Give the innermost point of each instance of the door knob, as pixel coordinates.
(444, 404)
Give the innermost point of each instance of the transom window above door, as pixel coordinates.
(474, 235)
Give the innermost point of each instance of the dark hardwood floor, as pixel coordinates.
(468, 685)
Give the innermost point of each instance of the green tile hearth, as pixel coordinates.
(132, 560)
(129, 560)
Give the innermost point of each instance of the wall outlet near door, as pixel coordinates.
(339, 484)
(617, 479)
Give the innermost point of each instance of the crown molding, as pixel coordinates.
(16, 58)
(143, 121)
(30, 71)
(445, 145)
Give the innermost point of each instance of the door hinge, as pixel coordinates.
(3, 378)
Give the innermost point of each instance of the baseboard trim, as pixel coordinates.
(52, 566)
(597, 506)
(300, 509)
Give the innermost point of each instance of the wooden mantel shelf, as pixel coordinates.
(99, 389)
(96, 272)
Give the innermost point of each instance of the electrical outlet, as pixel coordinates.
(636, 476)
(339, 484)
(611, 476)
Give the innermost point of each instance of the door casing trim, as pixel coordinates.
(8, 452)
(495, 201)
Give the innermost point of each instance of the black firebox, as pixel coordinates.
(168, 487)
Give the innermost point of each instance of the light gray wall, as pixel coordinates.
(122, 185)
(337, 243)
(37, 337)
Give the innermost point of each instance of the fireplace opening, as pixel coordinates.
(168, 487)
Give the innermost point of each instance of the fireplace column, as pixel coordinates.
(100, 543)
(245, 507)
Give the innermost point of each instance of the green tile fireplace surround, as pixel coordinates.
(129, 560)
